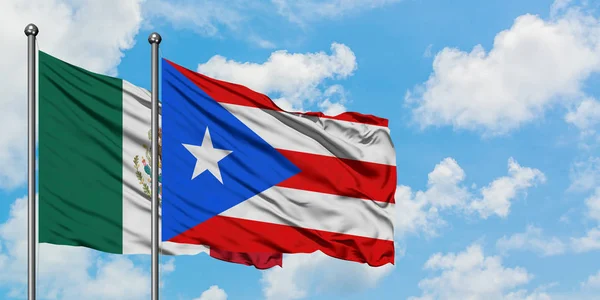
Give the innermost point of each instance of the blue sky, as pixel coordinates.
(493, 109)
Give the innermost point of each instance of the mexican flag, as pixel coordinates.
(94, 165)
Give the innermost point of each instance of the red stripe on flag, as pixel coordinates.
(260, 261)
(226, 92)
(344, 177)
(252, 236)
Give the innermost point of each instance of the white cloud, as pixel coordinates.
(212, 18)
(309, 10)
(585, 175)
(66, 272)
(586, 115)
(415, 214)
(303, 86)
(532, 66)
(213, 293)
(524, 295)
(118, 278)
(203, 16)
(496, 196)
(168, 266)
(588, 291)
(427, 52)
(244, 18)
(532, 239)
(333, 100)
(76, 32)
(593, 205)
(420, 211)
(443, 185)
(331, 109)
(487, 278)
(305, 274)
(592, 283)
(262, 43)
(559, 6)
(589, 242)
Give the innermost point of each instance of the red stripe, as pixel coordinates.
(252, 236)
(344, 177)
(227, 92)
(261, 261)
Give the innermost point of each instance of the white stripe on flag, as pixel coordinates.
(323, 136)
(318, 211)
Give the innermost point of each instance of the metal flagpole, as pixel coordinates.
(154, 40)
(31, 32)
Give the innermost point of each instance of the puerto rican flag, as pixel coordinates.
(242, 175)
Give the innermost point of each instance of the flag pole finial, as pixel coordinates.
(154, 38)
(31, 29)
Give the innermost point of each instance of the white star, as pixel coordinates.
(207, 157)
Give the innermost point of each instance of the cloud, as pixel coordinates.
(587, 114)
(585, 175)
(213, 293)
(244, 18)
(204, 17)
(66, 272)
(586, 117)
(74, 31)
(533, 66)
(262, 43)
(486, 276)
(304, 86)
(301, 12)
(559, 6)
(167, 267)
(592, 283)
(415, 214)
(589, 242)
(419, 211)
(316, 273)
(212, 18)
(593, 205)
(533, 240)
(496, 196)
(524, 295)
(427, 53)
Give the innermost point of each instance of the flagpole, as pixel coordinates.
(31, 32)
(154, 39)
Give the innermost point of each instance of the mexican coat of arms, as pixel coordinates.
(143, 171)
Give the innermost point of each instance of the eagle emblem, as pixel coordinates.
(143, 171)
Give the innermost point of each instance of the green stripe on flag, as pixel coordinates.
(80, 157)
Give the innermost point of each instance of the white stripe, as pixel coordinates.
(318, 211)
(136, 204)
(323, 136)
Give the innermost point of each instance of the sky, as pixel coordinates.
(494, 111)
